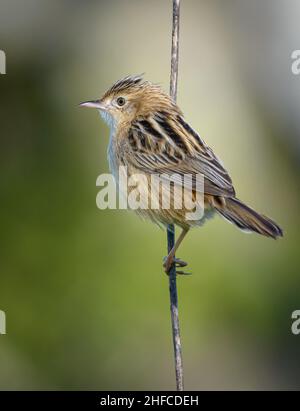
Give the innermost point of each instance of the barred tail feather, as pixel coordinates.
(247, 219)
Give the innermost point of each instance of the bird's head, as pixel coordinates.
(129, 99)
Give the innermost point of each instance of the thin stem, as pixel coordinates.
(171, 229)
(175, 49)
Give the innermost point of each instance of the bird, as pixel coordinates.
(149, 135)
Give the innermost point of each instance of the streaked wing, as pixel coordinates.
(166, 144)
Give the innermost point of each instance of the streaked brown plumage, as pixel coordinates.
(150, 135)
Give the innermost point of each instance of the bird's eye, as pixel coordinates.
(121, 101)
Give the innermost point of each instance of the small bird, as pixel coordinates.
(149, 135)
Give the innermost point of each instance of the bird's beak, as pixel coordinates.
(93, 104)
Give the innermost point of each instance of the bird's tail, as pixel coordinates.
(247, 219)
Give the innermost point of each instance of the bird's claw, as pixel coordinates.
(167, 264)
(184, 272)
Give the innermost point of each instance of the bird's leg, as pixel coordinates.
(170, 259)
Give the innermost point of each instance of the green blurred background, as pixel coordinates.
(84, 293)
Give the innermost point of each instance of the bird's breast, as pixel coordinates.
(112, 155)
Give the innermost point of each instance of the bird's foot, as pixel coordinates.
(168, 262)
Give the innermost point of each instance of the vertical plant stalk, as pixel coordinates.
(171, 229)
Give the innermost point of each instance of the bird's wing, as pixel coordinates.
(167, 145)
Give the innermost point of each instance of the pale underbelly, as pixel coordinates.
(163, 203)
(153, 202)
